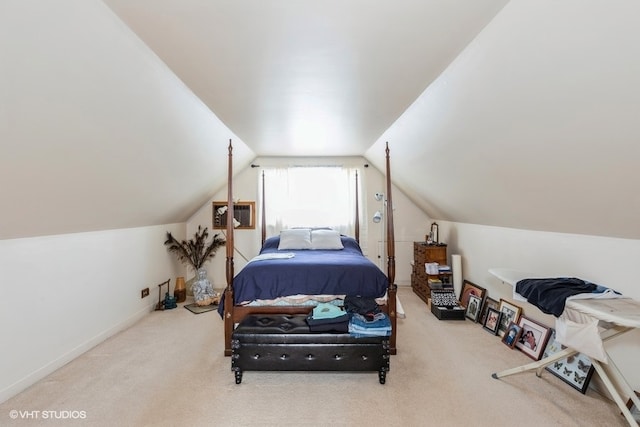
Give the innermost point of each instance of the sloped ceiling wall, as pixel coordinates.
(95, 131)
(533, 126)
(536, 125)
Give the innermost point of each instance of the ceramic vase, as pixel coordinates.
(180, 291)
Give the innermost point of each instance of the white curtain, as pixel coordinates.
(310, 196)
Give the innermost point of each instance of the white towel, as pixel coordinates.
(273, 255)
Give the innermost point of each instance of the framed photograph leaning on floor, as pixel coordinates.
(533, 338)
(488, 303)
(634, 411)
(512, 335)
(492, 321)
(575, 370)
(473, 308)
(510, 313)
(469, 288)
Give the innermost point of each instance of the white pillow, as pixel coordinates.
(298, 238)
(326, 239)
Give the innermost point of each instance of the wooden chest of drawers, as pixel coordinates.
(425, 253)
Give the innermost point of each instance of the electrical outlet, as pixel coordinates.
(144, 293)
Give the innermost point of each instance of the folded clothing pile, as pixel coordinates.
(365, 318)
(361, 305)
(377, 325)
(327, 317)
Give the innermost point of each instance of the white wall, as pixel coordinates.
(410, 223)
(63, 294)
(607, 261)
(542, 104)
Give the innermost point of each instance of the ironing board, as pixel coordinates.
(613, 316)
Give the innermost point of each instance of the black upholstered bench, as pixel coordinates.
(277, 342)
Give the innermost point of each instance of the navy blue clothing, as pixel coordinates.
(336, 324)
(550, 295)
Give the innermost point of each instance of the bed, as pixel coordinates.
(288, 278)
(278, 276)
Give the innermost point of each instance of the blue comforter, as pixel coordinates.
(310, 272)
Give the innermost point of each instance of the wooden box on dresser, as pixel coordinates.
(427, 253)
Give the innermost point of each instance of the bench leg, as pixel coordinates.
(238, 375)
(382, 376)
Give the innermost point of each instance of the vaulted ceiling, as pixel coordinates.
(307, 78)
(117, 113)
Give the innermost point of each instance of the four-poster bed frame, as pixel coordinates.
(233, 314)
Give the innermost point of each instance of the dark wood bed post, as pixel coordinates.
(391, 259)
(263, 216)
(357, 223)
(228, 293)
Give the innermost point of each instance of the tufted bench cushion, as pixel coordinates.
(280, 342)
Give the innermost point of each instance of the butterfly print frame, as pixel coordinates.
(575, 370)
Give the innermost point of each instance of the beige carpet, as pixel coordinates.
(169, 370)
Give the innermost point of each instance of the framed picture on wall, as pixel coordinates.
(244, 214)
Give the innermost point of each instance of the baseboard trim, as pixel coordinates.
(59, 362)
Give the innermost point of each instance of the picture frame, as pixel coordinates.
(512, 335)
(576, 370)
(488, 303)
(635, 412)
(510, 313)
(492, 322)
(533, 339)
(469, 288)
(244, 214)
(472, 312)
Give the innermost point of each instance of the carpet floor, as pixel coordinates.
(169, 370)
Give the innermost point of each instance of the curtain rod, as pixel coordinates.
(253, 165)
(316, 166)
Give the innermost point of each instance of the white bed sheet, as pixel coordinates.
(313, 300)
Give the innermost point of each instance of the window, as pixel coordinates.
(310, 196)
